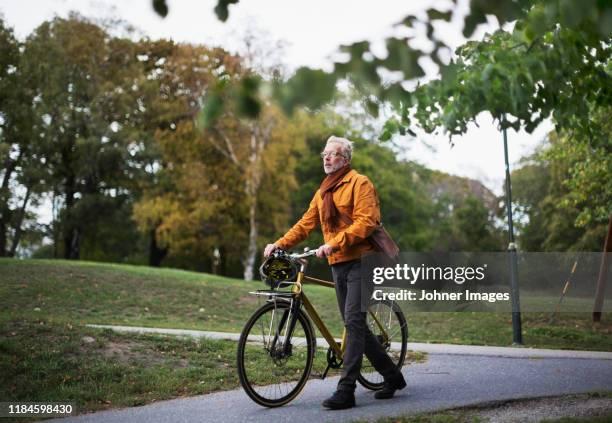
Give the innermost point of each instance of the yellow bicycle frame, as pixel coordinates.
(314, 316)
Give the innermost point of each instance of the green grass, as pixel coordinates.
(101, 369)
(84, 292)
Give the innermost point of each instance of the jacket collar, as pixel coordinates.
(348, 176)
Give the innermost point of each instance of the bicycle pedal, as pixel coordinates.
(325, 372)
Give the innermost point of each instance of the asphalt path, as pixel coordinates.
(443, 381)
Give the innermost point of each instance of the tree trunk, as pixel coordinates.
(75, 244)
(2, 235)
(72, 235)
(249, 260)
(603, 272)
(5, 194)
(252, 184)
(55, 225)
(19, 223)
(156, 254)
(222, 269)
(216, 261)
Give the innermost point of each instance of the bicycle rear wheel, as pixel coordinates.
(384, 315)
(274, 359)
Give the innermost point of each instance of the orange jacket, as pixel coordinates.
(354, 197)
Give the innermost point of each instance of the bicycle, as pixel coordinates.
(278, 342)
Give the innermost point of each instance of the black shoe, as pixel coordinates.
(389, 388)
(340, 400)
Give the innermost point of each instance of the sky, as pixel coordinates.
(310, 32)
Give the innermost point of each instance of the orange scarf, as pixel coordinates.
(329, 213)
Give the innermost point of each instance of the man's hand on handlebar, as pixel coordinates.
(321, 252)
(269, 249)
(324, 251)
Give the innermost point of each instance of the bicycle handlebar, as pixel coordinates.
(303, 255)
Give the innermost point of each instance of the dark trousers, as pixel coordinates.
(360, 340)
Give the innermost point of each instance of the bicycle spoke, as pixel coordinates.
(387, 324)
(273, 366)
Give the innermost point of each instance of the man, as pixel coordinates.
(346, 192)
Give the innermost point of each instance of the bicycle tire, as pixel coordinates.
(253, 378)
(393, 318)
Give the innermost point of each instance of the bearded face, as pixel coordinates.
(333, 158)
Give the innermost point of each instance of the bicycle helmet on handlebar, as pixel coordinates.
(278, 269)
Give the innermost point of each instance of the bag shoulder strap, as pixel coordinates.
(349, 221)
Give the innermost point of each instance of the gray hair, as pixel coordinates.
(347, 146)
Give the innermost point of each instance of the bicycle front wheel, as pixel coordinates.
(387, 323)
(274, 358)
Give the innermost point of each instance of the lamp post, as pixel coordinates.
(517, 334)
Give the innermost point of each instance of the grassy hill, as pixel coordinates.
(87, 292)
(47, 354)
(76, 293)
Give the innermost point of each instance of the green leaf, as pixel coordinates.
(396, 94)
(248, 103)
(356, 49)
(486, 73)
(308, 87)
(212, 107)
(409, 20)
(536, 24)
(211, 110)
(385, 136)
(392, 126)
(222, 9)
(434, 14)
(160, 7)
(472, 20)
(401, 57)
(372, 107)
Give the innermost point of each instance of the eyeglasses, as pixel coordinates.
(333, 154)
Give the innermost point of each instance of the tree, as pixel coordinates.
(530, 185)
(85, 91)
(202, 204)
(587, 161)
(231, 153)
(561, 201)
(195, 202)
(179, 74)
(20, 151)
(246, 146)
(473, 228)
(10, 151)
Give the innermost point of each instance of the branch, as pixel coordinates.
(533, 43)
(230, 148)
(229, 152)
(217, 146)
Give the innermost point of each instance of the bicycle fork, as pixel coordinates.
(286, 325)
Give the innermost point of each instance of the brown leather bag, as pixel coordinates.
(380, 239)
